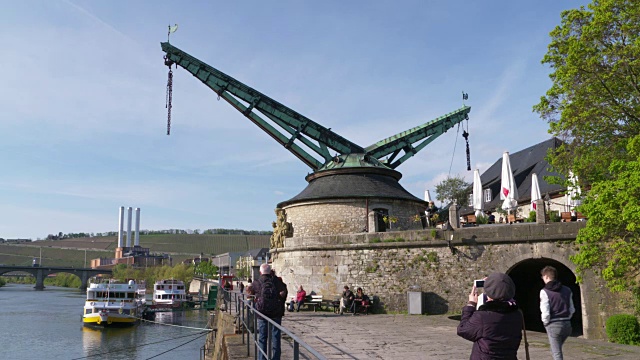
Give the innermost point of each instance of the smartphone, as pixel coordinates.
(478, 283)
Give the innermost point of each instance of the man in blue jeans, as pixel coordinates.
(270, 294)
(556, 306)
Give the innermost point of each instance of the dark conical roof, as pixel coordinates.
(351, 185)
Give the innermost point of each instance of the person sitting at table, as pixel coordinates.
(346, 299)
(359, 300)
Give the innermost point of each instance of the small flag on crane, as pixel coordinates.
(171, 30)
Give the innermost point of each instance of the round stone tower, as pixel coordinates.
(353, 193)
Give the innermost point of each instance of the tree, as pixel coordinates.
(453, 188)
(594, 101)
(594, 106)
(611, 239)
(206, 268)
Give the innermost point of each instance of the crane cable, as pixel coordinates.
(454, 151)
(169, 95)
(168, 101)
(465, 135)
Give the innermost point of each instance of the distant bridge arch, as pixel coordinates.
(40, 273)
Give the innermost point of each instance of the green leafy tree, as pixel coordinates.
(206, 268)
(453, 188)
(611, 239)
(594, 101)
(594, 106)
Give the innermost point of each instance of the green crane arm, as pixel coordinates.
(405, 140)
(293, 123)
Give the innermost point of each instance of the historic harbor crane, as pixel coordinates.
(363, 172)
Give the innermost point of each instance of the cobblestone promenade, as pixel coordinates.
(408, 337)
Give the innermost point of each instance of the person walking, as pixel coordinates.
(270, 294)
(496, 326)
(556, 307)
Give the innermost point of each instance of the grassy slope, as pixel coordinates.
(71, 251)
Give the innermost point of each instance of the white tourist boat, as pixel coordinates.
(169, 293)
(114, 303)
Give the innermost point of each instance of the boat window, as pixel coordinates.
(87, 311)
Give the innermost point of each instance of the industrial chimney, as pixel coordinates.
(137, 239)
(129, 210)
(120, 225)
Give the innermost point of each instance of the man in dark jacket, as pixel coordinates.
(495, 328)
(270, 294)
(556, 306)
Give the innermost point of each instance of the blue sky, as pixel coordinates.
(83, 118)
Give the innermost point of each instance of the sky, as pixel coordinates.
(83, 118)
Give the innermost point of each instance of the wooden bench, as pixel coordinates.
(314, 301)
(332, 304)
(565, 216)
(512, 219)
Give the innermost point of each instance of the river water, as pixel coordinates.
(48, 325)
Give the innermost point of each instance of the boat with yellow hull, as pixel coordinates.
(112, 303)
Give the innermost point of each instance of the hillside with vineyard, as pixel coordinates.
(179, 246)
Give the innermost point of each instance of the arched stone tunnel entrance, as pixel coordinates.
(526, 276)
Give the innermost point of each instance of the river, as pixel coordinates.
(48, 325)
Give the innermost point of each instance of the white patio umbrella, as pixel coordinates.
(535, 190)
(573, 192)
(508, 189)
(427, 196)
(478, 201)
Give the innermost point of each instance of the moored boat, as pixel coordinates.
(169, 293)
(113, 303)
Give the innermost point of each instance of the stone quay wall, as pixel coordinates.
(440, 263)
(347, 216)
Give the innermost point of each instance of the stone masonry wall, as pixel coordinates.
(388, 265)
(349, 216)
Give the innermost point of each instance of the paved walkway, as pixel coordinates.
(409, 337)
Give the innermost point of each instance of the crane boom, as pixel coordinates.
(405, 140)
(298, 128)
(291, 121)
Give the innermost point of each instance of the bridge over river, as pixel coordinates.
(41, 272)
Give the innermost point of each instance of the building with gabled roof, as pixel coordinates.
(524, 164)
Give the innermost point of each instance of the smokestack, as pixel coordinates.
(137, 239)
(129, 210)
(120, 225)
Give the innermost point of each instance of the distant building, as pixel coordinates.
(252, 259)
(135, 256)
(226, 262)
(16, 241)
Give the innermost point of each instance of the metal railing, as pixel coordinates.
(242, 305)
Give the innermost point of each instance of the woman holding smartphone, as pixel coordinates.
(495, 328)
